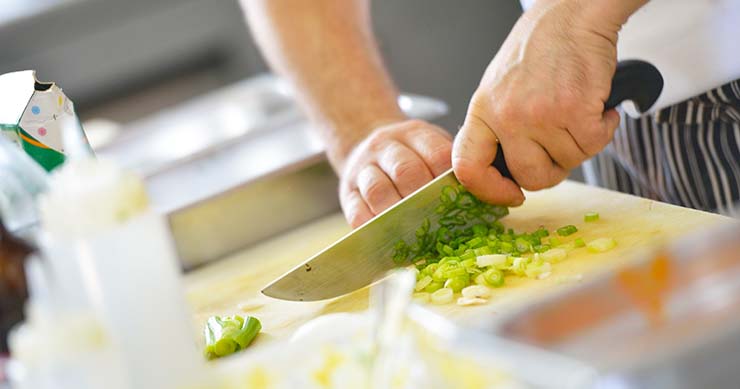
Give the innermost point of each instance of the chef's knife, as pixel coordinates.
(365, 254)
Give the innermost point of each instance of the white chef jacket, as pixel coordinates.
(694, 43)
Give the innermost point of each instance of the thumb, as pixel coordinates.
(473, 151)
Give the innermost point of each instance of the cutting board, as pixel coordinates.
(233, 285)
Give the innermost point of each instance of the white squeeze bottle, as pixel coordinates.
(112, 257)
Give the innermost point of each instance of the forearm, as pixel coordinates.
(326, 49)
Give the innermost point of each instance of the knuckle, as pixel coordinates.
(375, 192)
(406, 169)
(376, 141)
(440, 157)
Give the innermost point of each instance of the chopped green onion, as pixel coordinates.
(454, 271)
(541, 232)
(567, 230)
(442, 296)
(229, 334)
(469, 244)
(434, 286)
(470, 262)
(591, 217)
(491, 260)
(554, 255)
(522, 245)
(601, 245)
(421, 297)
(493, 277)
(457, 283)
(476, 291)
(533, 270)
(519, 265)
(465, 301)
(423, 283)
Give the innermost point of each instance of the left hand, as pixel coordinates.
(542, 99)
(389, 164)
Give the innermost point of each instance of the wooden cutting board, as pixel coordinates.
(233, 285)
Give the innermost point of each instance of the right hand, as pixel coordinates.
(389, 164)
(542, 99)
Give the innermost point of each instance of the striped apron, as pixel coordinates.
(686, 154)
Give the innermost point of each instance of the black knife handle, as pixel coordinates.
(635, 80)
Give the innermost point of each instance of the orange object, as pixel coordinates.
(648, 286)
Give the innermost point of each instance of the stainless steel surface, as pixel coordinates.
(670, 321)
(364, 255)
(235, 166)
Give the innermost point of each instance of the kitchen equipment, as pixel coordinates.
(359, 258)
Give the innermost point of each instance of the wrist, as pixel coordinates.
(353, 132)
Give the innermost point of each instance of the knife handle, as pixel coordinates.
(635, 80)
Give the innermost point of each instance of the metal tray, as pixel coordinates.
(236, 166)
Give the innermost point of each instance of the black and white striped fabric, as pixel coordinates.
(686, 154)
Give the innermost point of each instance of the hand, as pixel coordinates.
(542, 99)
(391, 163)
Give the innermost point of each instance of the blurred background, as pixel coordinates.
(124, 60)
(177, 91)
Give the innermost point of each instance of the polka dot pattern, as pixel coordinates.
(42, 131)
(35, 110)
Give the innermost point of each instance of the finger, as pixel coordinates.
(376, 189)
(593, 133)
(404, 167)
(473, 152)
(434, 148)
(562, 148)
(531, 165)
(610, 122)
(356, 211)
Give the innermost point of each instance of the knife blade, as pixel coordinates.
(365, 254)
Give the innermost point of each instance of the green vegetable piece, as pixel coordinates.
(579, 242)
(229, 334)
(434, 286)
(493, 277)
(457, 283)
(591, 217)
(470, 262)
(506, 248)
(541, 232)
(454, 271)
(480, 230)
(522, 245)
(567, 230)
